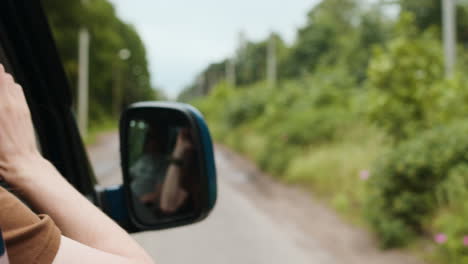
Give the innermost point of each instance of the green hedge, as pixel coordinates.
(405, 190)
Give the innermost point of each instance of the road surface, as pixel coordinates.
(255, 221)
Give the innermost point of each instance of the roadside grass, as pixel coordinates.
(338, 171)
(335, 172)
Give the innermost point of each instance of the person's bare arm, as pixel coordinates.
(89, 235)
(173, 195)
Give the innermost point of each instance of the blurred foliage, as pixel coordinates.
(252, 57)
(401, 77)
(114, 83)
(327, 28)
(450, 219)
(409, 181)
(363, 116)
(428, 14)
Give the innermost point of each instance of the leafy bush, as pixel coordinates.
(401, 78)
(406, 182)
(276, 157)
(450, 100)
(311, 126)
(451, 223)
(450, 219)
(245, 106)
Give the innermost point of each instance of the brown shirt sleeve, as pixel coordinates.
(29, 238)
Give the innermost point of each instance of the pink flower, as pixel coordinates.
(465, 241)
(364, 175)
(441, 238)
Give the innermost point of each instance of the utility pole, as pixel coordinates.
(231, 72)
(116, 91)
(449, 35)
(271, 62)
(83, 80)
(211, 81)
(120, 77)
(242, 45)
(201, 84)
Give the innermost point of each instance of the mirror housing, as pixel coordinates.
(172, 125)
(112, 202)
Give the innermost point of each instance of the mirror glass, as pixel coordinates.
(163, 168)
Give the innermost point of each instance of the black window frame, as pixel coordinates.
(30, 50)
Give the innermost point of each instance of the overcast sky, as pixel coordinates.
(184, 36)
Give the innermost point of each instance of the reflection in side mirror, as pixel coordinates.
(168, 165)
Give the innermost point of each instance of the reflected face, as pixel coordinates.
(154, 140)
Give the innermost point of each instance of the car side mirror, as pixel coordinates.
(167, 164)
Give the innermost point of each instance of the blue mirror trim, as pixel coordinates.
(2, 245)
(113, 203)
(207, 145)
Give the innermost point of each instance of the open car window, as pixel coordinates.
(5, 62)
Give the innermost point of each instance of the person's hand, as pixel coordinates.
(175, 203)
(17, 141)
(149, 198)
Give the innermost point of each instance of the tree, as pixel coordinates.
(327, 23)
(65, 18)
(429, 13)
(128, 81)
(401, 80)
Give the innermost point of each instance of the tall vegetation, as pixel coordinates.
(114, 83)
(363, 116)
